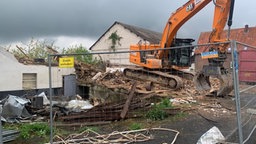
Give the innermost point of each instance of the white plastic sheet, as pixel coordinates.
(45, 99)
(212, 136)
(78, 105)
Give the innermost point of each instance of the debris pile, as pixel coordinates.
(117, 80)
(105, 112)
(85, 72)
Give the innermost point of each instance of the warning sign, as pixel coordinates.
(66, 62)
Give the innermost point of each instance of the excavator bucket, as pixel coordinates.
(202, 82)
(226, 84)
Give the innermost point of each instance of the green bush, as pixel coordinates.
(157, 112)
(30, 130)
(35, 129)
(85, 56)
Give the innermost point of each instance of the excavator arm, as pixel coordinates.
(177, 19)
(223, 14)
(188, 10)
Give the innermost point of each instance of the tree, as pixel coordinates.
(85, 56)
(35, 49)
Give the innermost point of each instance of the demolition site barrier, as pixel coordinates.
(83, 96)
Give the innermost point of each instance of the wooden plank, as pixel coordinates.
(20, 48)
(128, 101)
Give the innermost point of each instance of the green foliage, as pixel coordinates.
(165, 103)
(115, 39)
(36, 129)
(85, 56)
(157, 112)
(135, 126)
(30, 130)
(35, 49)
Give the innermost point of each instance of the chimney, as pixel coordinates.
(246, 28)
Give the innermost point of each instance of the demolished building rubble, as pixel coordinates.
(93, 109)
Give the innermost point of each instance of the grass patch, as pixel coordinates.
(135, 126)
(35, 129)
(31, 130)
(180, 115)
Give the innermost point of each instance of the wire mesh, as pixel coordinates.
(111, 97)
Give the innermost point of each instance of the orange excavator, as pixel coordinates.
(164, 63)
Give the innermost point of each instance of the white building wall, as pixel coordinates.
(12, 71)
(104, 45)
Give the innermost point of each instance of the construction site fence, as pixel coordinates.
(106, 95)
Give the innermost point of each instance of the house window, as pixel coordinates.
(29, 81)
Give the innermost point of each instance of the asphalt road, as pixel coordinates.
(193, 126)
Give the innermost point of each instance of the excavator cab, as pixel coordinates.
(178, 57)
(181, 57)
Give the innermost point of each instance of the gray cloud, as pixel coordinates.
(22, 19)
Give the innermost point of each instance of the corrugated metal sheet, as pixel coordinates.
(247, 66)
(243, 35)
(9, 135)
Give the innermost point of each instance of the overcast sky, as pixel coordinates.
(83, 21)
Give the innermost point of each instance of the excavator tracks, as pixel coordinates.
(164, 79)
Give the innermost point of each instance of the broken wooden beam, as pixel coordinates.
(128, 101)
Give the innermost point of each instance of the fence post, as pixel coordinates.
(236, 89)
(50, 94)
(1, 126)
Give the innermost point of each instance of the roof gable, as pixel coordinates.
(148, 35)
(244, 35)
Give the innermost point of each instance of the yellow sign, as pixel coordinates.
(66, 62)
